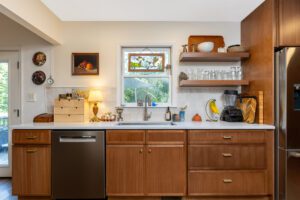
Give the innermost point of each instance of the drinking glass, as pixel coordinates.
(199, 74)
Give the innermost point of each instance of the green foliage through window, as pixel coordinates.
(3, 88)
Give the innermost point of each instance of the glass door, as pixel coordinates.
(10, 101)
(3, 114)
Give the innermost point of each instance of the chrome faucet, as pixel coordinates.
(147, 115)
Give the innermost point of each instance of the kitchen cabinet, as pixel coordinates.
(146, 163)
(288, 30)
(165, 170)
(125, 170)
(230, 163)
(31, 158)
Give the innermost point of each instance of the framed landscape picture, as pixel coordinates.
(146, 62)
(85, 64)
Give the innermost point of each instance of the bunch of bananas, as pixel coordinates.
(214, 110)
(213, 107)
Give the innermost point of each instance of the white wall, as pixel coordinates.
(15, 37)
(107, 37)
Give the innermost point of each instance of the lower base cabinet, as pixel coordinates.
(125, 170)
(155, 166)
(31, 164)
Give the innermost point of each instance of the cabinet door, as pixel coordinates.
(289, 29)
(31, 170)
(166, 170)
(125, 170)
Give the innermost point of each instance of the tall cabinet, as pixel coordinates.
(288, 25)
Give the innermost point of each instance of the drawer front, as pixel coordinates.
(226, 157)
(31, 137)
(69, 110)
(165, 137)
(125, 137)
(69, 103)
(225, 137)
(69, 118)
(227, 183)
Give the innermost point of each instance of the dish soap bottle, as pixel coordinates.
(168, 115)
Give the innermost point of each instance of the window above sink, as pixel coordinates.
(146, 71)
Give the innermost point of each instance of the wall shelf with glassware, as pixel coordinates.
(213, 57)
(213, 83)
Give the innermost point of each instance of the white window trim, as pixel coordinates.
(120, 76)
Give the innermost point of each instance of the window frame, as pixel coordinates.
(122, 76)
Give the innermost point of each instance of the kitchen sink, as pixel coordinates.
(146, 123)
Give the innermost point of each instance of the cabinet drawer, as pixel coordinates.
(69, 103)
(31, 137)
(69, 110)
(165, 137)
(227, 183)
(225, 137)
(69, 118)
(125, 137)
(226, 157)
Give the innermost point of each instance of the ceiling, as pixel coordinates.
(152, 10)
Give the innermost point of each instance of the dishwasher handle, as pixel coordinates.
(77, 139)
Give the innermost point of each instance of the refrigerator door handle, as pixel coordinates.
(294, 154)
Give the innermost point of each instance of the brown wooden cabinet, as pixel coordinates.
(288, 28)
(165, 170)
(31, 163)
(230, 163)
(31, 170)
(125, 170)
(146, 163)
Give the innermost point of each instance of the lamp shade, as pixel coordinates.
(95, 96)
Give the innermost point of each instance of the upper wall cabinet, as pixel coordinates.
(288, 15)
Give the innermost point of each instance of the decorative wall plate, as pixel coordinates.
(38, 77)
(39, 58)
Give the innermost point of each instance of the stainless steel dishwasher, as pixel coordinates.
(78, 164)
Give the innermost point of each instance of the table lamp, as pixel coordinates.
(95, 97)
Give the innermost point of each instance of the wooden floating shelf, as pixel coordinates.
(213, 57)
(213, 83)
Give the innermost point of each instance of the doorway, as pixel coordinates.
(10, 104)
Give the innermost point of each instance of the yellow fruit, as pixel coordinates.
(213, 106)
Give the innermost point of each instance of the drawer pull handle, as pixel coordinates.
(227, 155)
(31, 151)
(141, 150)
(227, 137)
(227, 181)
(31, 137)
(149, 150)
(62, 107)
(69, 115)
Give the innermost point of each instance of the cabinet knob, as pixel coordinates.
(227, 137)
(141, 150)
(149, 150)
(227, 155)
(227, 180)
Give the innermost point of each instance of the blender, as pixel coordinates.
(230, 112)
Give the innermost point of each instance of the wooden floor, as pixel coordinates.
(5, 190)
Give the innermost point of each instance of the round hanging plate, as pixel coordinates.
(39, 58)
(38, 77)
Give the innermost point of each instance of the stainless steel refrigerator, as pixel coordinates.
(288, 123)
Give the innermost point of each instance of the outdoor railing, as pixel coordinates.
(3, 121)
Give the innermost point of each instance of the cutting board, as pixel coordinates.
(197, 39)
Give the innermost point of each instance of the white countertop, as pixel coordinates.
(114, 125)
